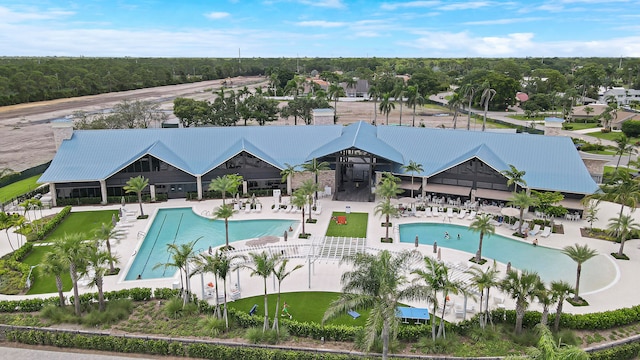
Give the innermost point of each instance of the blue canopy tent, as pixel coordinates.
(410, 313)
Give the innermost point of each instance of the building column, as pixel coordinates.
(199, 185)
(424, 186)
(103, 191)
(54, 195)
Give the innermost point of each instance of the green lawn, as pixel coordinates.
(525, 118)
(18, 188)
(86, 223)
(582, 126)
(611, 136)
(44, 283)
(356, 225)
(303, 306)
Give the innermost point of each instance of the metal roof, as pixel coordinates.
(550, 162)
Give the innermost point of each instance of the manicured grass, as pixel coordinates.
(44, 283)
(18, 188)
(608, 170)
(303, 306)
(86, 223)
(525, 118)
(611, 136)
(356, 225)
(601, 152)
(581, 126)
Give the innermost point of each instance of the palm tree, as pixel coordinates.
(432, 277)
(374, 93)
(469, 92)
(315, 167)
(398, 94)
(412, 167)
(263, 266)
(137, 185)
(487, 96)
(386, 209)
(300, 199)
(523, 201)
(386, 105)
(105, 233)
(482, 224)
(591, 214)
(545, 298)
(224, 212)
(377, 282)
(7, 221)
(53, 264)
(6, 173)
(548, 348)
(623, 145)
(454, 104)
(515, 177)
(281, 273)
(211, 264)
(622, 189)
(287, 175)
(388, 187)
(620, 227)
(580, 254)
(484, 281)
(335, 91)
(223, 268)
(522, 288)
(97, 260)
(180, 257)
(308, 188)
(226, 184)
(414, 98)
(559, 291)
(72, 251)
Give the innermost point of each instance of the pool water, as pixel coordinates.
(550, 264)
(182, 225)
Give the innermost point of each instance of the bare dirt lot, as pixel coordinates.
(26, 138)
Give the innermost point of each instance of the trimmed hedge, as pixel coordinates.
(622, 352)
(51, 224)
(13, 272)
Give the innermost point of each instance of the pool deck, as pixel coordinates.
(324, 275)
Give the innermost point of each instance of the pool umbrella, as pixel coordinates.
(510, 211)
(435, 247)
(122, 201)
(286, 234)
(439, 254)
(416, 240)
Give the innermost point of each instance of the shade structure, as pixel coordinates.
(522, 97)
(448, 189)
(573, 204)
(509, 211)
(409, 313)
(417, 184)
(494, 194)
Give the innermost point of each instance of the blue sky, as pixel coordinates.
(320, 28)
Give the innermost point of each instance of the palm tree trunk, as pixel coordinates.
(412, 184)
(140, 202)
(521, 218)
(99, 285)
(400, 112)
(433, 320)
(455, 118)
(519, 317)
(576, 296)
(112, 269)
(9, 239)
(444, 308)
(225, 315)
(486, 308)
(413, 123)
(388, 117)
(387, 227)
(479, 255)
(60, 292)
(480, 314)
(545, 315)
(226, 232)
(74, 280)
(218, 314)
(556, 321)
(385, 339)
(621, 250)
(265, 326)
(469, 115)
(303, 232)
(375, 111)
(275, 315)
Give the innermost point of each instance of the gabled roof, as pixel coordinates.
(550, 162)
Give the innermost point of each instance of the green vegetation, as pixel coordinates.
(43, 283)
(303, 306)
(581, 126)
(18, 188)
(611, 136)
(356, 225)
(85, 223)
(527, 118)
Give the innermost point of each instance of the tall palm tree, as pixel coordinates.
(544, 297)
(522, 287)
(622, 189)
(523, 201)
(374, 93)
(287, 175)
(7, 221)
(300, 199)
(263, 265)
(224, 212)
(281, 272)
(53, 264)
(484, 281)
(620, 227)
(181, 255)
(386, 209)
(482, 224)
(308, 188)
(414, 98)
(314, 166)
(398, 94)
(224, 267)
(137, 185)
(388, 186)
(386, 105)
(431, 283)
(377, 282)
(106, 232)
(514, 177)
(98, 260)
(560, 290)
(413, 167)
(580, 254)
(226, 184)
(487, 95)
(72, 251)
(623, 145)
(454, 104)
(469, 92)
(335, 91)
(206, 263)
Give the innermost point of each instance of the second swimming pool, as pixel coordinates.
(550, 264)
(181, 225)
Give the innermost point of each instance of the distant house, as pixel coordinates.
(579, 112)
(361, 88)
(621, 95)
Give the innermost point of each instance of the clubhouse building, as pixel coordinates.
(181, 163)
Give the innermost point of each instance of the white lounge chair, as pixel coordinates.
(459, 311)
(435, 212)
(472, 215)
(535, 230)
(515, 226)
(462, 214)
(427, 212)
(546, 231)
(450, 212)
(247, 208)
(258, 208)
(495, 223)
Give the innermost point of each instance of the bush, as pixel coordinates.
(173, 308)
(622, 352)
(592, 147)
(51, 224)
(631, 128)
(212, 325)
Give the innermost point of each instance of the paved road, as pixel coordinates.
(29, 354)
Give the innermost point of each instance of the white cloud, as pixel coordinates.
(409, 4)
(336, 4)
(466, 5)
(9, 16)
(217, 15)
(503, 21)
(320, 23)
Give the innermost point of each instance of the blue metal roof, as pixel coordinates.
(550, 162)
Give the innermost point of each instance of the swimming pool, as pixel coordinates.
(550, 264)
(182, 225)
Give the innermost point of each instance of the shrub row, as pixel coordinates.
(51, 224)
(622, 352)
(160, 346)
(110, 200)
(135, 294)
